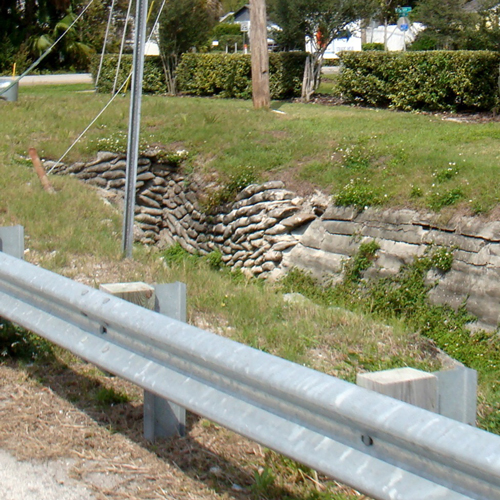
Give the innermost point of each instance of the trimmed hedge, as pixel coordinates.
(435, 81)
(154, 76)
(229, 75)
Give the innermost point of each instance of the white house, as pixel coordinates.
(396, 39)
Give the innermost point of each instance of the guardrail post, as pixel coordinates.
(451, 393)
(12, 241)
(162, 418)
(406, 384)
(457, 394)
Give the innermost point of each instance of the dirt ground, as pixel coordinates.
(48, 417)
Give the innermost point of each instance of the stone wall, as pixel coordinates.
(269, 230)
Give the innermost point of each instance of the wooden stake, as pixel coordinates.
(260, 56)
(40, 171)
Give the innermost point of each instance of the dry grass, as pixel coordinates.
(108, 453)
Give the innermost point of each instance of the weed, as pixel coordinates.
(214, 260)
(357, 194)
(416, 192)
(228, 191)
(109, 397)
(263, 481)
(441, 258)
(363, 259)
(174, 158)
(356, 158)
(17, 343)
(438, 200)
(175, 254)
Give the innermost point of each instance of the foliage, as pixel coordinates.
(175, 254)
(372, 46)
(153, 81)
(29, 28)
(15, 342)
(357, 193)
(71, 51)
(450, 26)
(109, 397)
(228, 190)
(227, 34)
(354, 268)
(445, 198)
(229, 75)
(441, 258)
(320, 22)
(439, 80)
(183, 26)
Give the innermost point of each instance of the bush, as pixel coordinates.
(229, 75)
(154, 76)
(435, 81)
(372, 46)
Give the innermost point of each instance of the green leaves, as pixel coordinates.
(229, 75)
(435, 81)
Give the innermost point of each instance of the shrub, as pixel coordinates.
(229, 75)
(436, 80)
(372, 46)
(154, 76)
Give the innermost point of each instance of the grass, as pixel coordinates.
(404, 156)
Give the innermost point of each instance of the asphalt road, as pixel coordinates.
(56, 79)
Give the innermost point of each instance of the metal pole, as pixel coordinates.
(134, 127)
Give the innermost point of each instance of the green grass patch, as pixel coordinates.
(400, 158)
(404, 297)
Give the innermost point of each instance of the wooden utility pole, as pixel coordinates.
(260, 58)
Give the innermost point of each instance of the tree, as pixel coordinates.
(185, 25)
(26, 27)
(232, 5)
(444, 21)
(458, 25)
(321, 22)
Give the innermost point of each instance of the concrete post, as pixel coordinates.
(406, 384)
(451, 393)
(161, 417)
(12, 241)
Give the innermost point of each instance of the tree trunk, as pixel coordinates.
(169, 65)
(312, 75)
(261, 94)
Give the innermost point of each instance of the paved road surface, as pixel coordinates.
(56, 79)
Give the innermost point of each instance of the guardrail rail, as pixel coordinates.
(384, 448)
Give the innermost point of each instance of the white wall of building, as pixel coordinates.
(396, 38)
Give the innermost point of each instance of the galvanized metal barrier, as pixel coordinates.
(380, 446)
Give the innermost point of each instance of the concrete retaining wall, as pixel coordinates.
(269, 230)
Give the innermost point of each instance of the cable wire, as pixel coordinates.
(105, 43)
(58, 162)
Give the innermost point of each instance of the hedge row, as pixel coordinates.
(435, 80)
(154, 76)
(225, 75)
(229, 75)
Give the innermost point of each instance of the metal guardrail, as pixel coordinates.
(380, 446)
